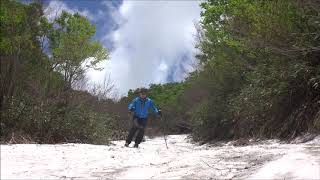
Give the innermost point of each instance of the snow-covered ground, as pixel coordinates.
(183, 160)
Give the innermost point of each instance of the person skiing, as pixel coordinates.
(140, 106)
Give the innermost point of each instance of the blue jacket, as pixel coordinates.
(140, 110)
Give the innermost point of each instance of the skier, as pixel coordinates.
(140, 106)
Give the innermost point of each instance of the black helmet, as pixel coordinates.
(143, 90)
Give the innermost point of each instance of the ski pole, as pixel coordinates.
(164, 134)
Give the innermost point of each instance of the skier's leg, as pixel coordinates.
(132, 132)
(142, 123)
(139, 136)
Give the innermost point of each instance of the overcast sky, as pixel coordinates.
(149, 41)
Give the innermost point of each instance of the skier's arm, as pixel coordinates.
(154, 108)
(132, 105)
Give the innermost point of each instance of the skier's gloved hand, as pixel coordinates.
(131, 110)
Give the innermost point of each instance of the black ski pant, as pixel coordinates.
(139, 125)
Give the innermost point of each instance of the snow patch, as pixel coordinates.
(301, 163)
(183, 160)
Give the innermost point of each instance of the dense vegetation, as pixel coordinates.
(262, 60)
(258, 75)
(40, 62)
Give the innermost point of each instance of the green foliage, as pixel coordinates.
(259, 67)
(85, 126)
(166, 94)
(209, 121)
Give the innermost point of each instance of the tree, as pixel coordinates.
(73, 50)
(37, 102)
(16, 42)
(260, 63)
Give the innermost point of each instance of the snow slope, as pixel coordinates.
(301, 162)
(152, 160)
